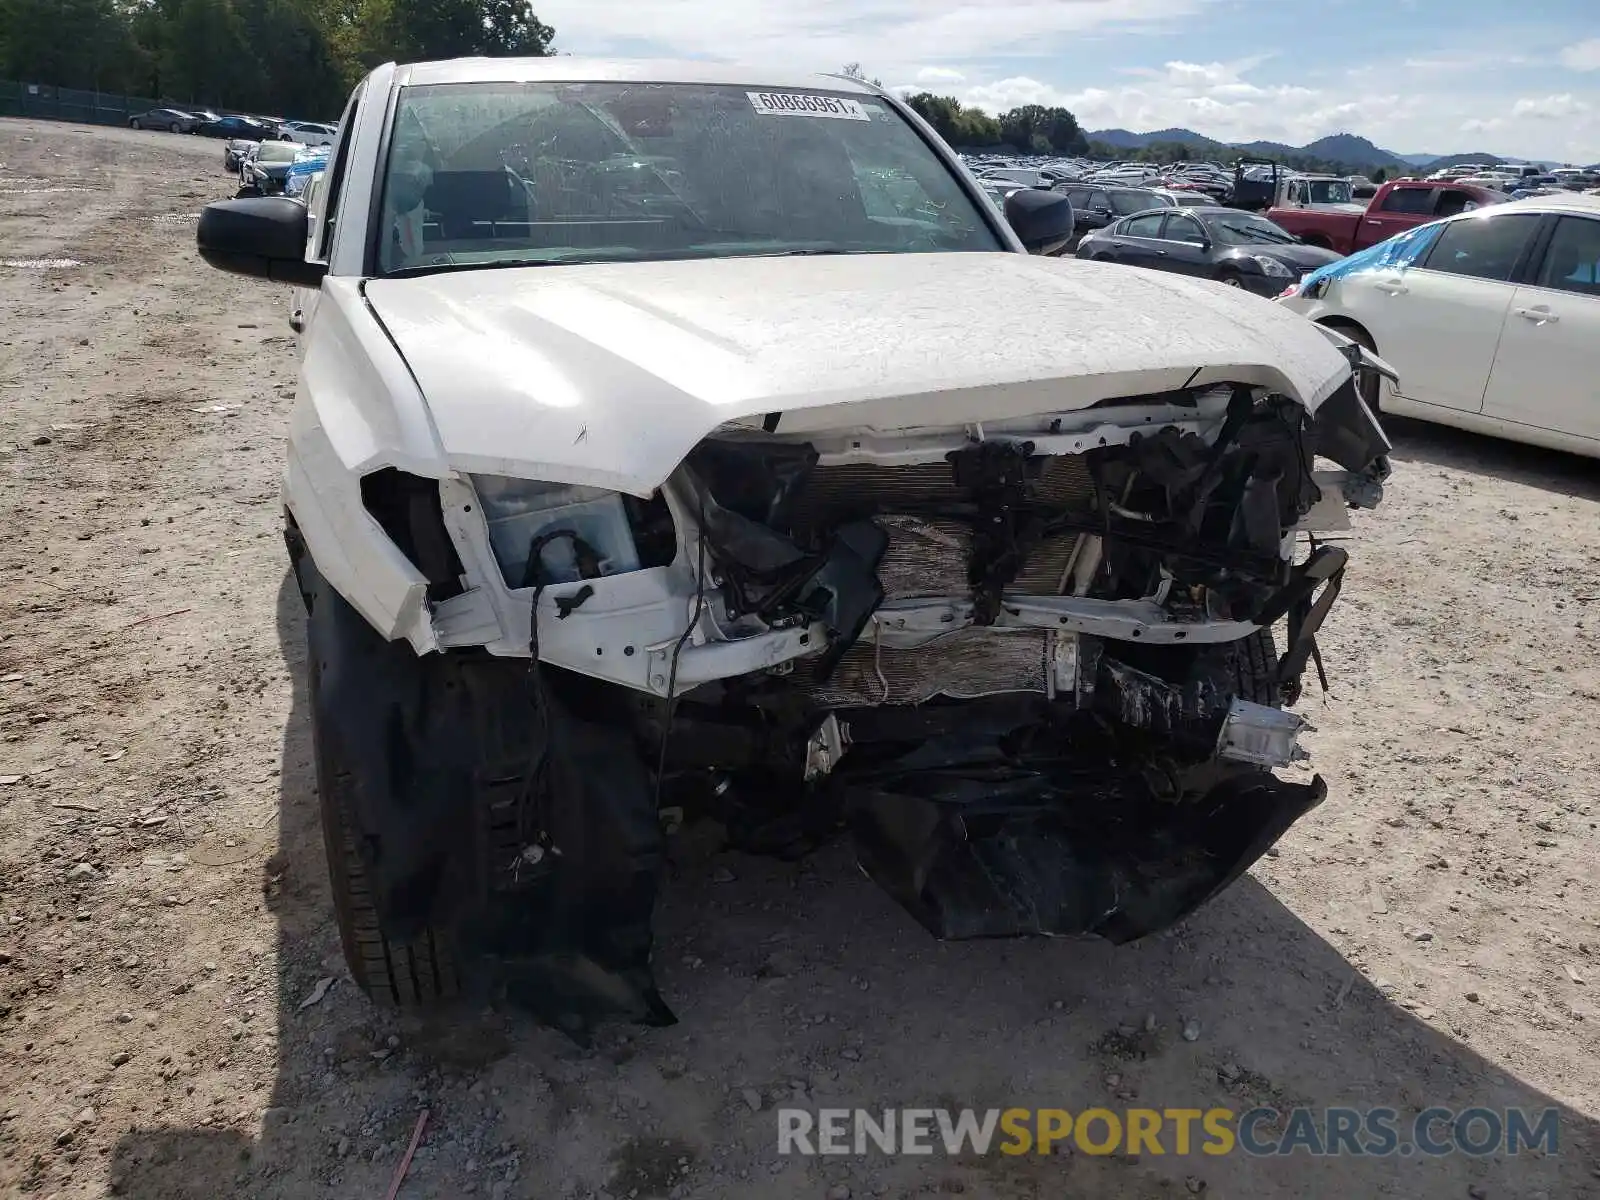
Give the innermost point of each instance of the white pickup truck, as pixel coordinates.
(673, 439)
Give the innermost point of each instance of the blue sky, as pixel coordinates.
(1415, 76)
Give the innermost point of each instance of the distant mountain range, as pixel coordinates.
(1346, 149)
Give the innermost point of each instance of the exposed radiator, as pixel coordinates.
(928, 556)
(963, 664)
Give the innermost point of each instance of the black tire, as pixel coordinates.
(1230, 279)
(136, 124)
(175, 127)
(419, 973)
(1255, 667)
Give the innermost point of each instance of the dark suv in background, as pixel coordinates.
(1095, 207)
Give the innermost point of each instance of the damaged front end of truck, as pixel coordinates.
(1035, 670)
(1051, 695)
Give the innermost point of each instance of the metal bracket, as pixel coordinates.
(826, 748)
(1259, 734)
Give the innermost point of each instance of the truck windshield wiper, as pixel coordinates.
(435, 268)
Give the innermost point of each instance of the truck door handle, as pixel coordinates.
(1161, 253)
(1393, 286)
(1374, 221)
(1539, 315)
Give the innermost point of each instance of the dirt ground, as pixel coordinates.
(1427, 937)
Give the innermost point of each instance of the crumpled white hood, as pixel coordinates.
(609, 374)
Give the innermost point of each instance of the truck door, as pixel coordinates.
(1397, 209)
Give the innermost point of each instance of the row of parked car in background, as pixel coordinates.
(234, 125)
(1302, 221)
(1478, 284)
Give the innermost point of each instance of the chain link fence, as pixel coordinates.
(18, 99)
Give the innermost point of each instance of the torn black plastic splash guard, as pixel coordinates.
(970, 862)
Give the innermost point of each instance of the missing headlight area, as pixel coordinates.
(610, 534)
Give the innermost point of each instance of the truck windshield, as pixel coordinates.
(1330, 191)
(278, 152)
(510, 174)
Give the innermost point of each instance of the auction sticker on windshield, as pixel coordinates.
(795, 104)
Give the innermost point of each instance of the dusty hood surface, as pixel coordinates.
(609, 374)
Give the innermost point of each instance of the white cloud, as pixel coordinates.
(888, 37)
(1550, 108)
(1209, 97)
(1456, 63)
(1584, 56)
(1380, 102)
(1064, 51)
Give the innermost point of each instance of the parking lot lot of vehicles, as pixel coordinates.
(177, 1022)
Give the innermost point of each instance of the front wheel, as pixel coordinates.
(1255, 664)
(416, 972)
(135, 124)
(1231, 280)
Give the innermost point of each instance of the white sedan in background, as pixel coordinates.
(309, 133)
(1491, 319)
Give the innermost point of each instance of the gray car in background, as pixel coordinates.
(174, 120)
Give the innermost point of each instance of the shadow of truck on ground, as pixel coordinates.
(803, 985)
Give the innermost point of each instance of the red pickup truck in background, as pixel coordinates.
(1398, 205)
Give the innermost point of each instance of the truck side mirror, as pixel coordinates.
(1042, 221)
(260, 236)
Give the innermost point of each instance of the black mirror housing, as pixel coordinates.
(260, 236)
(1042, 221)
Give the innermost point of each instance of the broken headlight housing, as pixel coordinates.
(517, 511)
(611, 533)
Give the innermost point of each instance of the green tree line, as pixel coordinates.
(1031, 129)
(1035, 129)
(288, 57)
